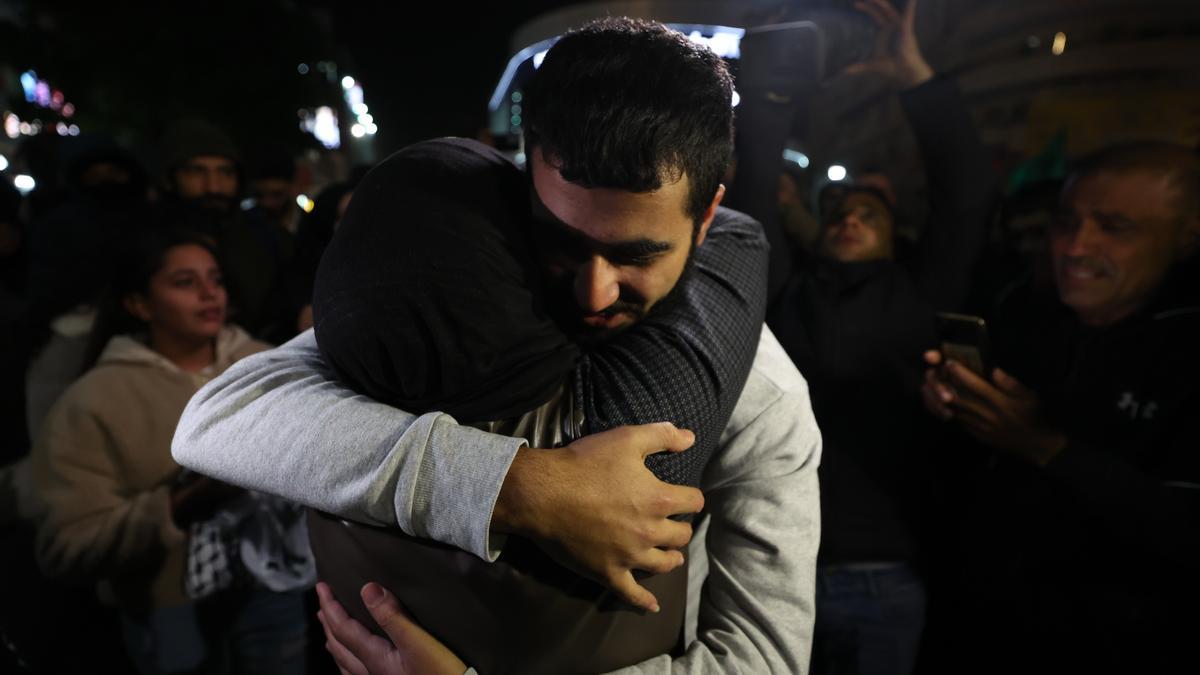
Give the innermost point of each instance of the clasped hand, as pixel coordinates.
(1001, 413)
(598, 510)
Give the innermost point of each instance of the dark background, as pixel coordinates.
(131, 67)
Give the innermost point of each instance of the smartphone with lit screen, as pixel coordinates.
(964, 338)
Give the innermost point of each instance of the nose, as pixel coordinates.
(1080, 241)
(596, 285)
(209, 289)
(852, 222)
(211, 182)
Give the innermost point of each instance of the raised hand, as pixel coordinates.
(897, 55)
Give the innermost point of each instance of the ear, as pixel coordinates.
(135, 304)
(709, 214)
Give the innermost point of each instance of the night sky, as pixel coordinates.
(431, 72)
(131, 68)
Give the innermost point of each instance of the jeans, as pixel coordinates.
(236, 632)
(869, 619)
(255, 632)
(168, 640)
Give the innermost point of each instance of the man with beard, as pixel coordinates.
(617, 213)
(201, 184)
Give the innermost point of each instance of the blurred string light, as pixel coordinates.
(302, 69)
(305, 203)
(322, 124)
(29, 85)
(1059, 45)
(836, 173)
(3, 163)
(24, 183)
(39, 92)
(796, 157)
(364, 121)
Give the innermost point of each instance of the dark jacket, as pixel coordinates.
(856, 331)
(1095, 556)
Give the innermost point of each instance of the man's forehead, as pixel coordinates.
(209, 161)
(608, 215)
(597, 238)
(1131, 193)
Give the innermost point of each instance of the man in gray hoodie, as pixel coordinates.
(616, 244)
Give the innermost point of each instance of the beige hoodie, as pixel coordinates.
(102, 466)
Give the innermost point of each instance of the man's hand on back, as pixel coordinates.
(597, 502)
(408, 650)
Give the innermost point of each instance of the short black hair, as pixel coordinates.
(630, 104)
(1178, 163)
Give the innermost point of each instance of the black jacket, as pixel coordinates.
(856, 331)
(1096, 555)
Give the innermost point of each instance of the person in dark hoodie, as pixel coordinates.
(71, 254)
(855, 318)
(1081, 551)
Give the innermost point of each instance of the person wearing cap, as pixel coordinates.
(855, 315)
(200, 166)
(201, 178)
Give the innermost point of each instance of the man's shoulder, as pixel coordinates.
(727, 217)
(773, 382)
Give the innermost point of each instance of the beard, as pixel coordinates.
(214, 205)
(564, 308)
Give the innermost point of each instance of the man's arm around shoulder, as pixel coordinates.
(280, 422)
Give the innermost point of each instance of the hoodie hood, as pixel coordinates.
(232, 343)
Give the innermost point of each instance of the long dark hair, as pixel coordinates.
(140, 258)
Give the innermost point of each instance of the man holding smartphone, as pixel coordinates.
(1080, 548)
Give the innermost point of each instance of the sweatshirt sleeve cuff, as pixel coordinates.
(457, 486)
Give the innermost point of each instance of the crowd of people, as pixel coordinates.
(625, 408)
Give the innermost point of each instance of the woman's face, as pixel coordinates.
(186, 299)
